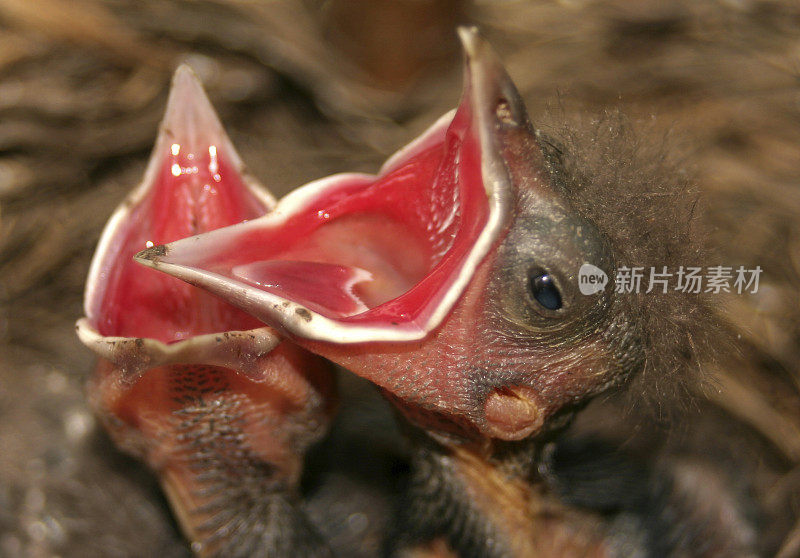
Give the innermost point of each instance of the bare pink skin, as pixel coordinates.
(213, 401)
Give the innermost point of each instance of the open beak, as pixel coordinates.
(356, 258)
(194, 183)
(209, 397)
(373, 272)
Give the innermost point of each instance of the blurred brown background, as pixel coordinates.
(311, 87)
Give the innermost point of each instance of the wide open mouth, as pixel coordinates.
(345, 245)
(356, 258)
(193, 184)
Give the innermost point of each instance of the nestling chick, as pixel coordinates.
(214, 402)
(451, 280)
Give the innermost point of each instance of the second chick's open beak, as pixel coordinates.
(217, 404)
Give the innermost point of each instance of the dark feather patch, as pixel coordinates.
(594, 475)
(436, 506)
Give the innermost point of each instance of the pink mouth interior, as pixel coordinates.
(192, 193)
(360, 249)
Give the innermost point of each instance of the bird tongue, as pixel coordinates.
(357, 258)
(193, 184)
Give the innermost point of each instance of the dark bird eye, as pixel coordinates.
(543, 290)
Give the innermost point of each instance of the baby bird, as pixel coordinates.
(452, 280)
(213, 401)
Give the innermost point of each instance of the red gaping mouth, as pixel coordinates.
(355, 258)
(193, 184)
